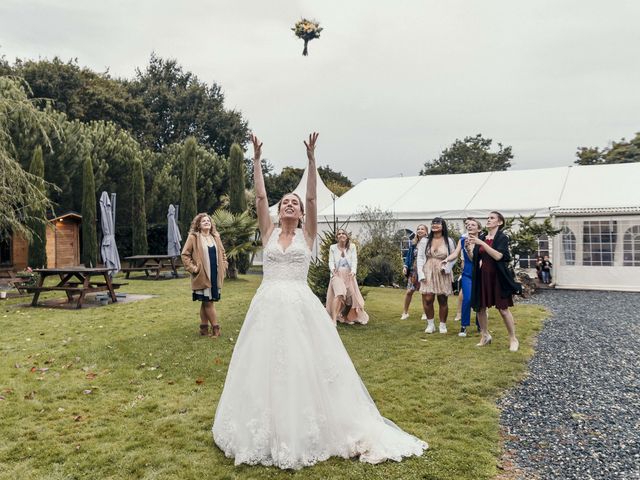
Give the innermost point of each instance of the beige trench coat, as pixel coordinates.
(193, 260)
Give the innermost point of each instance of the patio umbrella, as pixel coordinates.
(108, 249)
(173, 233)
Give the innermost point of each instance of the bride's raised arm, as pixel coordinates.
(262, 202)
(311, 207)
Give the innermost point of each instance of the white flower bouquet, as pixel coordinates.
(307, 30)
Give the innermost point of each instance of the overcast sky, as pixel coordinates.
(389, 85)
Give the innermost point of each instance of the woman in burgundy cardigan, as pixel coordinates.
(493, 284)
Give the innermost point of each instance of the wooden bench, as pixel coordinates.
(146, 269)
(151, 263)
(9, 278)
(73, 288)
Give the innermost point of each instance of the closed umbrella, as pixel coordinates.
(108, 249)
(173, 233)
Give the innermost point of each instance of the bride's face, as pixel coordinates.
(290, 207)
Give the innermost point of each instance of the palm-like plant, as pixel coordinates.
(237, 232)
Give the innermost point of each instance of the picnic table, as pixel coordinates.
(75, 281)
(8, 277)
(151, 263)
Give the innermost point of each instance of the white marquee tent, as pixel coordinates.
(598, 208)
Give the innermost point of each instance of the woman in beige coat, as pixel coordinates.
(204, 258)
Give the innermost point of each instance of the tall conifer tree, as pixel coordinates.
(89, 235)
(139, 244)
(37, 217)
(188, 197)
(237, 198)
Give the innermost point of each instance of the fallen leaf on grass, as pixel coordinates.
(217, 361)
(77, 418)
(87, 392)
(199, 381)
(1, 398)
(8, 390)
(77, 447)
(159, 377)
(91, 375)
(50, 361)
(171, 382)
(140, 397)
(30, 396)
(17, 365)
(60, 409)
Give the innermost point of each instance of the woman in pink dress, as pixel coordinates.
(343, 293)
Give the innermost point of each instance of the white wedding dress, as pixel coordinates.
(292, 396)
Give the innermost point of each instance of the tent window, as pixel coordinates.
(404, 238)
(543, 249)
(631, 248)
(568, 246)
(599, 242)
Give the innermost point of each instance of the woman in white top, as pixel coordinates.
(344, 300)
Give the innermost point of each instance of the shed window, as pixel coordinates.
(5, 250)
(631, 247)
(599, 242)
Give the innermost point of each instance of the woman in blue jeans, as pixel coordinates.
(473, 227)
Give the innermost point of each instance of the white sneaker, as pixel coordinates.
(404, 316)
(442, 328)
(424, 316)
(431, 326)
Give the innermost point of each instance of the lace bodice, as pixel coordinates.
(291, 264)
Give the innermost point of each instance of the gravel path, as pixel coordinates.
(577, 415)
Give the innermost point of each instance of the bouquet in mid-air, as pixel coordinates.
(307, 30)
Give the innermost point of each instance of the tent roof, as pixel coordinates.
(324, 196)
(513, 192)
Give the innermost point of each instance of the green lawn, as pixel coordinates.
(130, 390)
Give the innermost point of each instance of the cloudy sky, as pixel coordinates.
(389, 85)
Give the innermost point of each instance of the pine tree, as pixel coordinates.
(37, 216)
(188, 197)
(139, 244)
(89, 235)
(237, 198)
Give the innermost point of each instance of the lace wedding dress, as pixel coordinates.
(292, 396)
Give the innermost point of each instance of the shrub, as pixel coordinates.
(380, 258)
(380, 263)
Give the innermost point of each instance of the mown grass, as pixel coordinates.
(154, 384)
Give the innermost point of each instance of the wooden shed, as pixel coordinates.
(63, 244)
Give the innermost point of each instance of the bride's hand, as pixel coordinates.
(257, 148)
(311, 146)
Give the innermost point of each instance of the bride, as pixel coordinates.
(292, 396)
